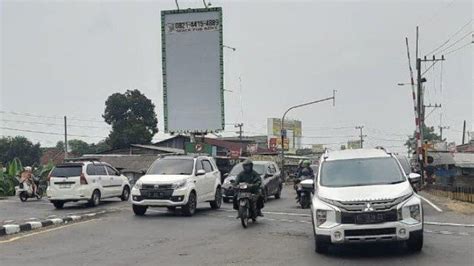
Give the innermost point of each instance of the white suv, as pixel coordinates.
(364, 196)
(178, 181)
(86, 181)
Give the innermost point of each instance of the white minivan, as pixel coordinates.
(364, 196)
(178, 181)
(88, 181)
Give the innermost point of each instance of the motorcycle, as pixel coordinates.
(304, 188)
(247, 204)
(25, 190)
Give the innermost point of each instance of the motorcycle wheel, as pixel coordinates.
(243, 213)
(23, 196)
(39, 193)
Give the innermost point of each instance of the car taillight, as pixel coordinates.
(83, 179)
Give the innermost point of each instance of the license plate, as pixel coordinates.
(156, 194)
(368, 218)
(64, 186)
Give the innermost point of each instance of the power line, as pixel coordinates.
(459, 48)
(449, 38)
(456, 42)
(48, 133)
(50, 117)
(49, 124)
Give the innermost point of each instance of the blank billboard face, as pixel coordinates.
(192, 59)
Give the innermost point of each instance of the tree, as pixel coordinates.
(132, 118)
(21, 148)
(429, 135)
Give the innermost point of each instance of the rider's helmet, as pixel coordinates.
(306, 163)
(248, 166)
(28, 169)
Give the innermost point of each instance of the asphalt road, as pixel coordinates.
(282, 237)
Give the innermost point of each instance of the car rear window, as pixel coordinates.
(67, 171)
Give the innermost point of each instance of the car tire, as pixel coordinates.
(278, 194)
(217, 202)
(125, 194)
(58, 204)
(190, 208)
(95, 198)
(139, 210)
(321, 244)
(415, 242)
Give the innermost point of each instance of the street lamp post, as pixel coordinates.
(283, 131)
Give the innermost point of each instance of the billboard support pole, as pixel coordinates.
(282, 127)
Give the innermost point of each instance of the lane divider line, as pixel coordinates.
(449, 224)
(431, 203)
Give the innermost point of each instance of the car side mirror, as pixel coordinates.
(200, 172)
(414, 177)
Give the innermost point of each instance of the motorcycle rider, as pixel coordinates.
(27, 176)
(305, 166)
(251, 177)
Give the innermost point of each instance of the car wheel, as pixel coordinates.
(278, 194)
(217, 202)
(415, 242)
(190, 208)
(125, 194)
(321, 244)
(23, 196)
(58, 204)
(95, 199)
(139, 210)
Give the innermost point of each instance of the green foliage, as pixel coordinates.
(7, 177)
(132, 118)
(21, 148)
(428, 135)
(79, 147)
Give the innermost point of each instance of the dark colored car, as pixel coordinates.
(269, 172)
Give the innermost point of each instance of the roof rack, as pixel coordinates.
(81, 159)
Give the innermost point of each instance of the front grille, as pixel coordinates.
(369, 217)
(370, 232)
(161, 186)
(162, 194)
(373, 205)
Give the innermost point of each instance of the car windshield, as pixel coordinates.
(259, 168)
(172, 167)
(66, 171)
(361, 172)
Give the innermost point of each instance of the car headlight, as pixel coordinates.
(321, 217)
(179, 185)
(415, 212)
(138, 184)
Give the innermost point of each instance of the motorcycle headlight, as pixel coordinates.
(179, 185)
(321, 217)
(226, 181)
(415, 212)
(138, 184)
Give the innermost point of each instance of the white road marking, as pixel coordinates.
(430, 203)
(449, 224)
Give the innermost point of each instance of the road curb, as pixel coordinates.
(10, 229)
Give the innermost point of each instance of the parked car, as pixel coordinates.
(363, 196)
(271, 179)
(86, 181)
(178, 181)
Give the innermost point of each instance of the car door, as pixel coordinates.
(103, 180)
(209, 178)
(200, 181)
(272, 187)
(115, 180)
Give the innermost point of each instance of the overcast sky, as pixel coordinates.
(66, 58)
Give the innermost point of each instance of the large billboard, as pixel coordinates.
(293, 132)
(192, 67)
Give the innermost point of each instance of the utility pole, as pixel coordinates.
(420, 106)
(361, 136)
(464, 132)
(65, 137)
(441, 127)
(239, 125)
